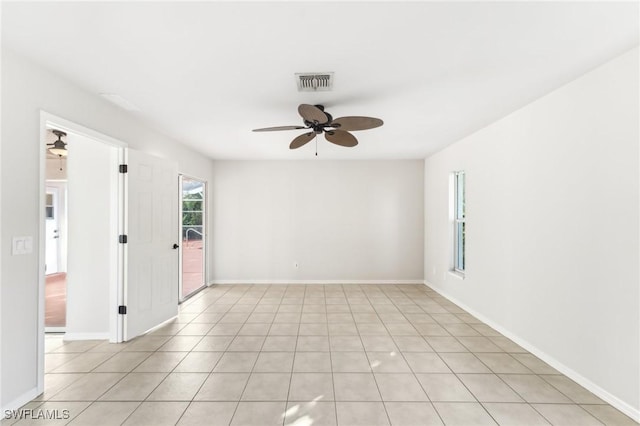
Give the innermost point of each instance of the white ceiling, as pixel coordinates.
(207, 73)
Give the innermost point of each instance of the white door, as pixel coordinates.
(151, 287)
(52, 231)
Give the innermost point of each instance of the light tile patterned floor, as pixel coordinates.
(314, 355)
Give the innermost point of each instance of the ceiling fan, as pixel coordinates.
(318, 121)
(58, 147)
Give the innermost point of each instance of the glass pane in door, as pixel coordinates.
(193, 249)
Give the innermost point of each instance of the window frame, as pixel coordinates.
(202, 228)
(459, 222)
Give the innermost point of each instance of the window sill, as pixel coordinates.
(457, 274)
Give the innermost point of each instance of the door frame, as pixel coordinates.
(205, 236)
(55, 204)
(61, 186)
(48, 120)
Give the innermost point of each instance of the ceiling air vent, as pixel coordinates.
(314, 82)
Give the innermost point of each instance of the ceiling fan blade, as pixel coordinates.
(273, 129)
(341, 137)
(312, 113)
(356, 123)
(302, 140)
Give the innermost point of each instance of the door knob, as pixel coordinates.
(175, 246)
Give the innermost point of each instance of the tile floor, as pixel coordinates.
(314, 355)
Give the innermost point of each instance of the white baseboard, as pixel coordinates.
(603, 394)
(86, 336)
(363, 282)
(21, 400)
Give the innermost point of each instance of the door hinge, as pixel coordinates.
(122, 310)
(122, 239)
(123, 168)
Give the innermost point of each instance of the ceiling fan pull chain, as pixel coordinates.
(316, 144)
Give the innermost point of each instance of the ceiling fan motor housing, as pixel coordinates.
(318, 128)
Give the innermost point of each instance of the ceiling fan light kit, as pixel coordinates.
(318, 121)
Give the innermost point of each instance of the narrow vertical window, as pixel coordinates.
(458, 222)
(193, 248)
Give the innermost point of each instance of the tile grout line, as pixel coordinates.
(293, 362)
(369, 361)
(333, 381)
(419, 383)
(244, 389)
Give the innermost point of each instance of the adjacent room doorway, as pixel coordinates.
(192, 228)
(121, 250)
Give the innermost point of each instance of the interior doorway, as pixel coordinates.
(122, 256)
(192, 228)
(55, 224)
(68, 188)
(80, 220)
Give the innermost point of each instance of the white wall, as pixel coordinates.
(27, 89)
(552, 216)
(92, 246)
(52, 167)
(339, 220)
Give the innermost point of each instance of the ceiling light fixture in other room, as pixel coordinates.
(59, 147)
